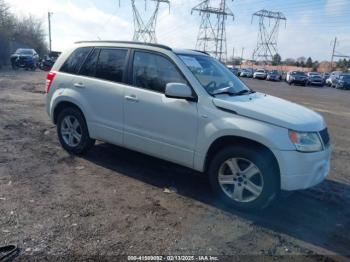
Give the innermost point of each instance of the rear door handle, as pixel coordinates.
(132, 98)
(79, 85)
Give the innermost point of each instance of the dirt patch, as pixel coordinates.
(112, 201)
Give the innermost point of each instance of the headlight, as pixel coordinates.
(306, 141)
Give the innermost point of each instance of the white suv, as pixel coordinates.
(186, 107)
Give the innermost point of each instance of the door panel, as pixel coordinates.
(154, 124)
(104, 107)
(99, 82)
(160, 126)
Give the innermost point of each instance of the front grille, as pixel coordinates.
(325, 137)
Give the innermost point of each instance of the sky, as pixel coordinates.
(310, 29)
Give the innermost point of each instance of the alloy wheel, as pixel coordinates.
(240, 179)
(71, 131)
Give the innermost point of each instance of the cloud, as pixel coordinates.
(72, 22)
(336, 7)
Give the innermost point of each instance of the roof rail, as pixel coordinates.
(203, 52)
(125, 42)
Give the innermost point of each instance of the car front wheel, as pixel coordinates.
(244, 177)
(72, 131)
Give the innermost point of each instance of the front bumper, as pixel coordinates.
(275, 78)
(260, 76)
(316, 83)
(299, 81)
(303, 170)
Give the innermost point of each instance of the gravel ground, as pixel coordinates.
(112, 201)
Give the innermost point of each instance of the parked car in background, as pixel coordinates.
(246, 72)
(48, 61)
(343, 82)
(325, 76)
(145, 97)
(24, 58)
(260, 74)
(234, 70)
(332, 80)
(314, 78)
(296, 78)
(274, 75)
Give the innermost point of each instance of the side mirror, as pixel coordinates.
(180, 91)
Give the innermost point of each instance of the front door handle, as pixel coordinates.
(132, 98)
(79, 85)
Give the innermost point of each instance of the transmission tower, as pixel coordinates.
(269, 23)
(212, 32)
(146, 32)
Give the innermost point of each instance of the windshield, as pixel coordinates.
(213, 76)
(24, 51)
(299, 73)
(345, 77)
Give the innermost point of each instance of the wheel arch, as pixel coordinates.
(63, 105)
(226, 141)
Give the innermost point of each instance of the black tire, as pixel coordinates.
(263, 161)
(86, 142)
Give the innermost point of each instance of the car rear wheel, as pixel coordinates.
(244, 177)
(72, 131)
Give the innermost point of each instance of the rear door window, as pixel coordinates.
(111, 64)
(89, 67)
(75, 60)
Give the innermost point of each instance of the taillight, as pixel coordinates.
(49, 79)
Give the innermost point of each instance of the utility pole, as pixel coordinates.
(212, 32)
(233, 56)
(145, 31)
(333, 52)
(269, 23)
(49, 14)
(240, 66)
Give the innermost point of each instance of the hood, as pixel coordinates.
(21, 56)
(273, 110)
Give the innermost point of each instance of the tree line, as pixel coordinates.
(299, 62)
(17, 32)
(308, 62)
(302, 61)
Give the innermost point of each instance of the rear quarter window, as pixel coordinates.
(74, 61)
(89, 66)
